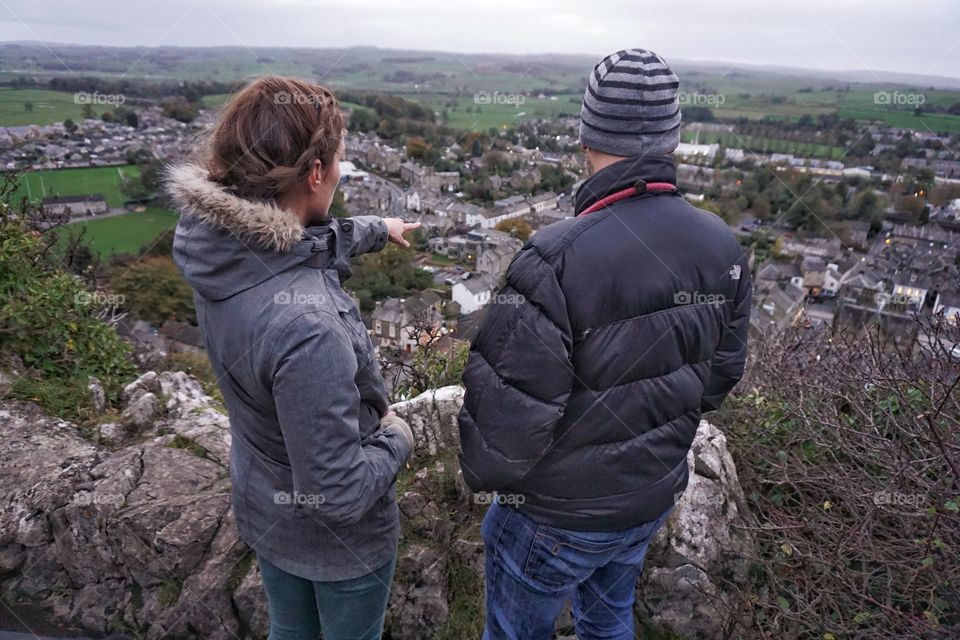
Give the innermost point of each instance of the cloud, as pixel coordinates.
(827, 34)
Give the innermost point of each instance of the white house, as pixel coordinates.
(543, 201)
(689, 150)
(949, 305)
(505, 209)
(349, 171)
(473, 293)
(908, 287)
(465, 213)
(412, 197)
(75, 205)
(832, 279)
(733, 155)
(857, 172)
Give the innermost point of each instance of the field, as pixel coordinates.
(449, 83)
(216, 100)
(436, 78)
(125, 233)
(105, 181)
(765, 145)
(927, 122)
(19, 107)
(485, 110)
(471, 112)
(735, 94)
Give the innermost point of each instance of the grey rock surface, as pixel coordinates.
(132, 531)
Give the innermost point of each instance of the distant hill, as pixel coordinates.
(452, 83)
(369, 66)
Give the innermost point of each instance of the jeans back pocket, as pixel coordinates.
(560, 560)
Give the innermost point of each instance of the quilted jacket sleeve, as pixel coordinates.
(728, 361)
(363, 234)
(518, 377)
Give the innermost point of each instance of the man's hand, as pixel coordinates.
(396, 228)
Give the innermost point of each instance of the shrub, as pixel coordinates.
(153, 289)
(848, 451)
(55, 324)
(438, 362)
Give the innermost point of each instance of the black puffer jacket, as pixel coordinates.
(614, 331)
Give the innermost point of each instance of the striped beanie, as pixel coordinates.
(630, 106)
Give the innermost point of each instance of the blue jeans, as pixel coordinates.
(344, 610)
(532, 569)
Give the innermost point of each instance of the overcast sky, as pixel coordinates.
(918, 36)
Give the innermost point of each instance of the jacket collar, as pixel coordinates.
(622, 175)
(261, 223)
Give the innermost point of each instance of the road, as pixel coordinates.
(397, 207)
(114, 211)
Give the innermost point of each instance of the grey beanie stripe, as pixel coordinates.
(630, 106)
(639, 131)
(631, 101)
(641, 55)
(644, 70)
(666, 116)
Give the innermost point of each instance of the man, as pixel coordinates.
(586, 385)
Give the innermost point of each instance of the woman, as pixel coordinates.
(315, 452)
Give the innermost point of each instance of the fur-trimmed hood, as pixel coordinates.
(261, 223)
(225, 244)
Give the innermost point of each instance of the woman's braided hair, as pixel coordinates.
(269, 134)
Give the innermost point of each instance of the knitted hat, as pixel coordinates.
(630, 106)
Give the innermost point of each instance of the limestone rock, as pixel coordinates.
(433, 418)
(251, 600)
(183, 393)
(419, 605)
(98, 397)
(11, 368)
(148, 382)
(140, 412)
(112, 434)
(135, 530)
(11, 558)
(704, 541)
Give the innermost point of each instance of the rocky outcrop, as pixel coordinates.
(704, 544)
(129, 528)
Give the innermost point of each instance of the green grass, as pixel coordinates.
(125, 233)
(761, 144)
(67, 398)
(768, 111)
(479, 117)
(216, 100)
(768, 96)
(924, 123)
(499, 114)
(48, 107)
(105, 181)
(466, 618)
(354, 106)
(442, 260)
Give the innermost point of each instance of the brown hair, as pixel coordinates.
(269, 134)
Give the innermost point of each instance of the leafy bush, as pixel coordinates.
(848, 451)
(438, 362)
(55, 324)
(153, 289)
(387, 274)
